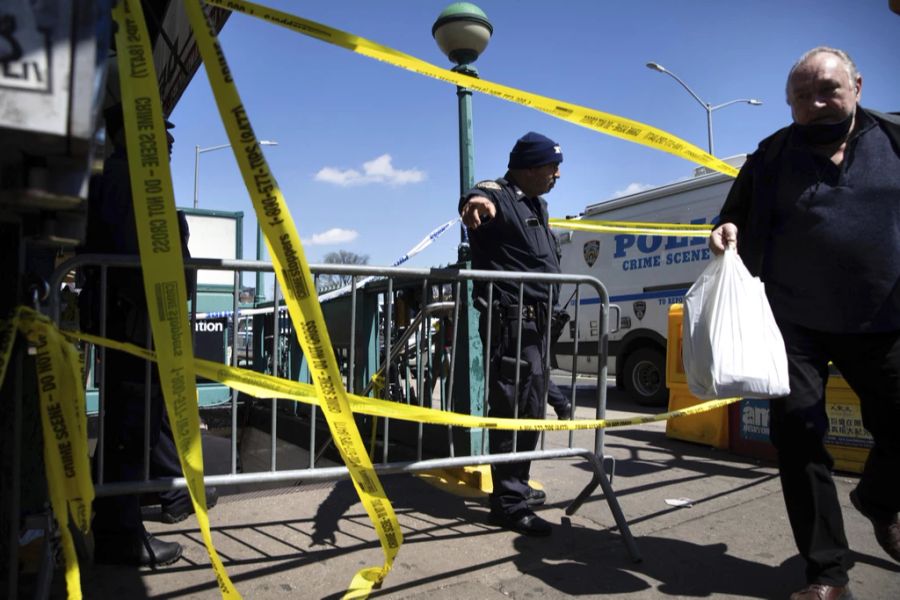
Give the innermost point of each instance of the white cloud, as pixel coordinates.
(333, 236)
(378, 170)
(338, 177)
(632, 188)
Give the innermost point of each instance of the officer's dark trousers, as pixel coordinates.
(555, 397)
(164, 463)
(124, 443)
(871, 365)
(511, 479)
(124, 430)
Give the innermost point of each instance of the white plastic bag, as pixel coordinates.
(732, 346)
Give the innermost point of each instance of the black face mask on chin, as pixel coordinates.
(819, 134)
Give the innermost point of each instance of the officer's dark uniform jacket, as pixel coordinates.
(111, 229)
(518, 238)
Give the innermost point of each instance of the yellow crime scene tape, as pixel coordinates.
(63, 425)
(609, 124)
(59, 370)
(633, 227)
(260, 385)
(8, 328)
(292, 271)
(162, 262)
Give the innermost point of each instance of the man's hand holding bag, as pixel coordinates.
(732, 346)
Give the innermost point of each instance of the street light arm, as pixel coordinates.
(661, 69)
(751, 101)
(223, 146)
(211, 148)
(198, 151)
(709, 108)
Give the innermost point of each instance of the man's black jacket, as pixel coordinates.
(751, 201)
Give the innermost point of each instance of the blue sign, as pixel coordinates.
(754, 420)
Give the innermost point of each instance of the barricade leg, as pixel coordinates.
(602, 480)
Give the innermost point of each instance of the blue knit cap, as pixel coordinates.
(534, 150)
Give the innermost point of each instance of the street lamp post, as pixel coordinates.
(709, 108)
(257, 295)
(462, 32)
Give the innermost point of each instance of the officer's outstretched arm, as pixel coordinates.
(477, 210)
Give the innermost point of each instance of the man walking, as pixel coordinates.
(815, 212)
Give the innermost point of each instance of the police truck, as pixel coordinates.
(643, 274)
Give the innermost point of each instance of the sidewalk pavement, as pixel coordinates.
(731, 541)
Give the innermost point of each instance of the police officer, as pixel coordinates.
(119, 532)
(508, 230)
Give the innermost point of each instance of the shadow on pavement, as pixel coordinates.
(681, 568)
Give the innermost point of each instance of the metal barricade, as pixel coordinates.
(397, 335)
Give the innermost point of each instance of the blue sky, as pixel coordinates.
(367, 154)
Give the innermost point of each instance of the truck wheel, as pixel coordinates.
(644, 377)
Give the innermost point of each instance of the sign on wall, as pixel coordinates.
(215, 235)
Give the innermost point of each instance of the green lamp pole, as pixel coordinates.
(462, 32)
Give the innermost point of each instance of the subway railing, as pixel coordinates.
(401, 334)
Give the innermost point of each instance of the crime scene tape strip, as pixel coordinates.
(8, 328)
(609, 124)
(423, 243)
(63, 425)
(631, 227)
(260, 385)
(293, 275)
(162, 263)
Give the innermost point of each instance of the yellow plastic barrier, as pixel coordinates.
(848, 442)
(710, 427)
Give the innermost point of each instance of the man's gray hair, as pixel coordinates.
(845, 58)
